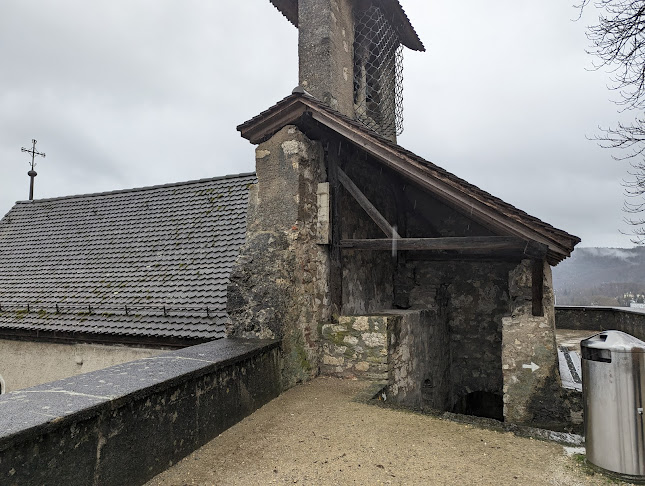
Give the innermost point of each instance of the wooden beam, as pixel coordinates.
(336, 258)
(484, 244)
(537, 284)
(367, 206)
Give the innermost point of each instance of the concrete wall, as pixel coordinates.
(125, 424)
(601, 319)
(279, 286)
(24, 363)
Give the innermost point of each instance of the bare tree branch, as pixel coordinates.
(618, 42)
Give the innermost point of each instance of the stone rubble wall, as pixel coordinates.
(466, 302)
(532, 386)
(279, 286)
(356, 347)
(419, 358)
(368, 284)
(406, 348)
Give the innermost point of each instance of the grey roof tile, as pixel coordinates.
(169, 246)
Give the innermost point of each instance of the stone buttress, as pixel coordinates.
(279, 286)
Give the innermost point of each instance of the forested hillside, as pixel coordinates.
(601, 276)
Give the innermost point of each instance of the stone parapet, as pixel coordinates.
(127, 423)
(601, 319)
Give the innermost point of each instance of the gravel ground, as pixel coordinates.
(317, 433)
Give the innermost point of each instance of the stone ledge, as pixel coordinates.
(126, 423)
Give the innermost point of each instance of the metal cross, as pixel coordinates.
(32, 173)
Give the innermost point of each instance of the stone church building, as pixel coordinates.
(364, 259)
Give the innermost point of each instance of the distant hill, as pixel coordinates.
(600, 276)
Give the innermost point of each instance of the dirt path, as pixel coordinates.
(316, 434)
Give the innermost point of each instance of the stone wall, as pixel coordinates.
(279, 286)
(127, 423)
(468, 301)
(601, 319)
(356, 347)
(532, 387)
(325, 52)
(28, 363)
(408, 349)
(419, 360)
(368, 276)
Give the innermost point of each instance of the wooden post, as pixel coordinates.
(336, 270)
(538, 287)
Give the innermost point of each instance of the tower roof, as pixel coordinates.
(391, 8)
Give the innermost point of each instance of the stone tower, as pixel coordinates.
(350, 56)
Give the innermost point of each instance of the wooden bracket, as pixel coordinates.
(369, 208)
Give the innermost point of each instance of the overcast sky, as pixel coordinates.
(123, 94)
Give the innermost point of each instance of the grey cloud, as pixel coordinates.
(126, 94)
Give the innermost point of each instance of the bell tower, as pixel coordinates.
(350, 54)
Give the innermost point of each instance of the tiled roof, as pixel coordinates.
(164, 252)
(292, 108)
(392, 9)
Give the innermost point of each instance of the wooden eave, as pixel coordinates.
(392, 8)
(492, 212)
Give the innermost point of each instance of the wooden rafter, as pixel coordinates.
(365, 203)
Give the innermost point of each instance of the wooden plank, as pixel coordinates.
(367, 206)
(479, 243)
(323, 233)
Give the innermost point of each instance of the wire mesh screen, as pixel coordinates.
(378, 73)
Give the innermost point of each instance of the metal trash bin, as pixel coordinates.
(613, 391)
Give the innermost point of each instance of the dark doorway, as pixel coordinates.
(481, 404)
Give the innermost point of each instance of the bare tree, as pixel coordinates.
(618, 42)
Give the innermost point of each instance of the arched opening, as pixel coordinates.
(481, 404)
(2, 385)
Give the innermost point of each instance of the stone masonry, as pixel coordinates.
(279, 285)
(356, 347)
(532, 392)
(326, 37)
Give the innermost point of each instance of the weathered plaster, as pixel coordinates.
(29, 363)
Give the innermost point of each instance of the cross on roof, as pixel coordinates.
(33, 152)
(32, 173)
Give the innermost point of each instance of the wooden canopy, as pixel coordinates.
(500, 217)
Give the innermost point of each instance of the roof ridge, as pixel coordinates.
(139, 189)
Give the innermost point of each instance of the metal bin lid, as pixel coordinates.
(616, 341)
